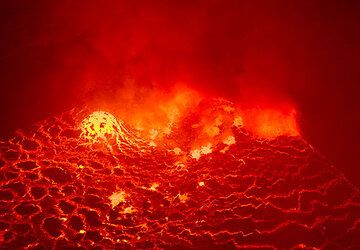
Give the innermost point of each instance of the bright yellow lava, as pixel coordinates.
(183, 197)
(129, 210)
(177, 151)
(117, 198)
(154, 186)
(100, 125)
(238, 122)
(204, 150)
(196, 154)
(230, 140)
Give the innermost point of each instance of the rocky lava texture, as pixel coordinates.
(57, 191)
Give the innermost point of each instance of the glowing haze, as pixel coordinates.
(148, 62)
(156, 114)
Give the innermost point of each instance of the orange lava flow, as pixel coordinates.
(89, 180)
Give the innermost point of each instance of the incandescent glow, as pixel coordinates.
(153, 113)
(238, 122)
(116, 198)
(177, 151)
(154, 186)
(129, 210)
(157, 123)
(204, 150)
(271, 123)
(100, 125)
(196, 154)
(183, 197)
(229, 140)
(226, 186)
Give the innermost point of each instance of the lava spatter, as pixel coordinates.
(103, 127)
(61, 189)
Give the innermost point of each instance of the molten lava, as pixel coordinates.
(101, 125)
(206, 175)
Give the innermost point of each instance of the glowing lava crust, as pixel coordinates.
(85, 180)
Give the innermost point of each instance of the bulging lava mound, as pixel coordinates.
(87, 180)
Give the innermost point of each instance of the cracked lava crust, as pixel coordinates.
(65, 189)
